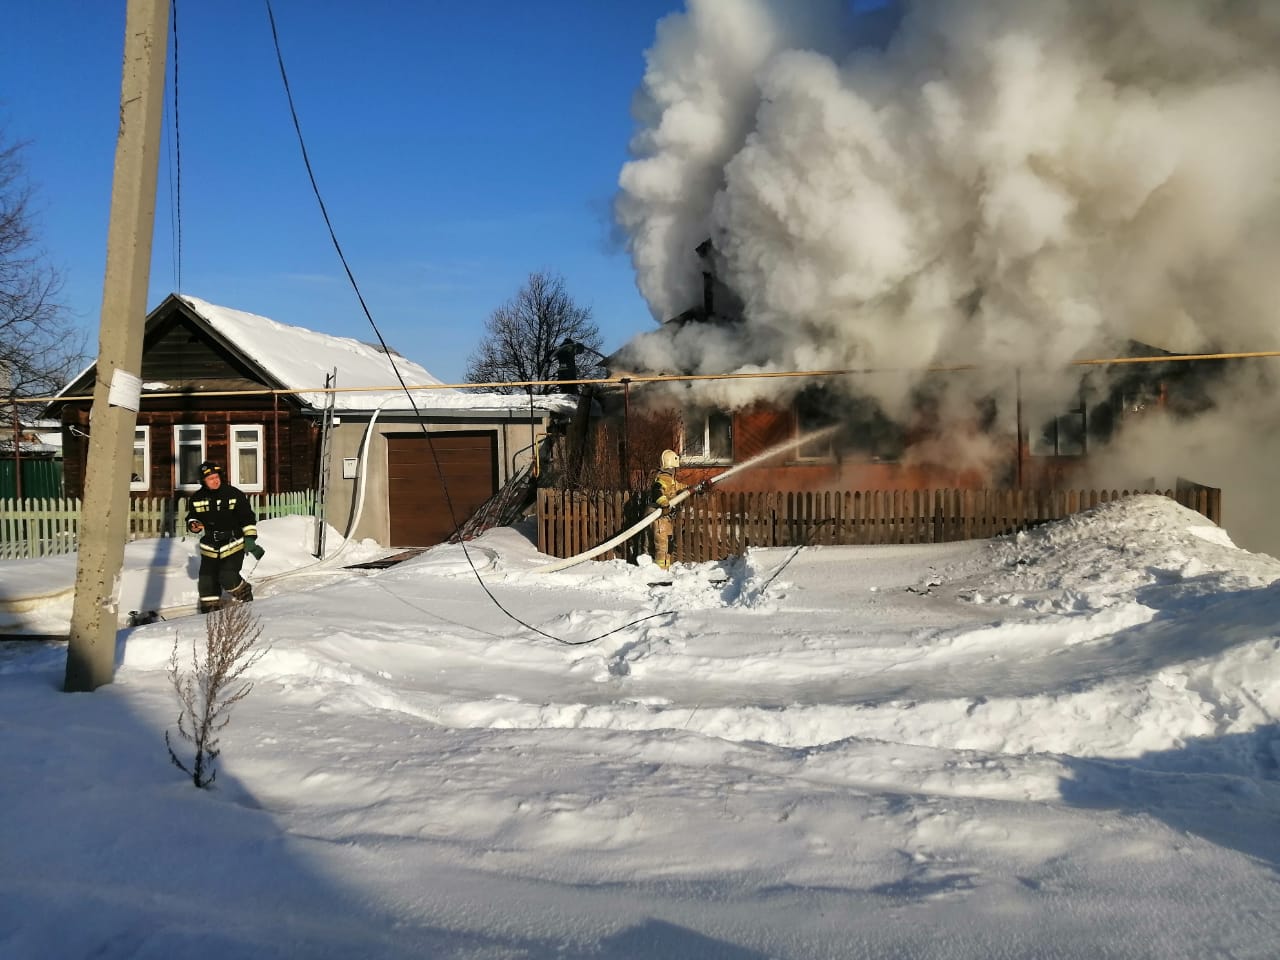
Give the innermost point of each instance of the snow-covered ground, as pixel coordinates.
(1062, 744)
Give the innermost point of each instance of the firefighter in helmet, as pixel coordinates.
(226, 524)
(661, 490)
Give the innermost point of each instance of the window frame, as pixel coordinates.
(136, 486)
(814, 451)
(1051, 437)
(1048, 440)
(701, 421)
(234, 447)
(178, 445)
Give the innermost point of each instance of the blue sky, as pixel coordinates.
(459, 147)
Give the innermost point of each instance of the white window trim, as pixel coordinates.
(145, 482)
(704, 420)
(177, 453)
(826, 455)
(234, 458)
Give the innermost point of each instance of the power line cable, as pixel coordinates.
(177, 147)
(638, 380)
(173, 226)
(661, 378)
(453, 519)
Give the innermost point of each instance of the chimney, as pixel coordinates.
(704, 250)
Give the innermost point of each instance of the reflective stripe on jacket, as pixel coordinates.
(227, 519)
(664, 487)
(208, 549)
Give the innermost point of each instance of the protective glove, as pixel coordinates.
(702, 486)
(195, 526)
(251, 547)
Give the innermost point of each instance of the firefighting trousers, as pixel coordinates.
(222, 573)
(663, 530)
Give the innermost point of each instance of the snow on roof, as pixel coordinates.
(300, 359)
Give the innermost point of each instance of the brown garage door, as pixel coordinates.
(419, 512)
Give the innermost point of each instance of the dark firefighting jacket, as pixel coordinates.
(227, 517)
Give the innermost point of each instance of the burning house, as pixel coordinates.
(963, 201)
(843, 438)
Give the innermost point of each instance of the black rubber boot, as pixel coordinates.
(243, 591)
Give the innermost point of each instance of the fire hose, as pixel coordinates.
(649, 518)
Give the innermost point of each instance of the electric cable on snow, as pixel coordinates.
(652, 517)
(795, 552)
(387, 352)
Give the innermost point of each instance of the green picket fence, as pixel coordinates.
(49, 526)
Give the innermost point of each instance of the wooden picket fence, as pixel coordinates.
(50, 527)
(720, 524)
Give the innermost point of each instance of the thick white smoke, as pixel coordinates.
(1010, 183)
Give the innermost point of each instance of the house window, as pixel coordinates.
(708, 437)
(188, 454)
(868, 433)
(140, 472)
(813, 415)
(246, 457)
(1063, 436)
(864, 432)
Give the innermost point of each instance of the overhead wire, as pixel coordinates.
(173, 227)
(453, 519)
(177, 149)
(636, 380)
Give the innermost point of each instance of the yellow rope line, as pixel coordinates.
(656, 378)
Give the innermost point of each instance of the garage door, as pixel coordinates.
(419, 511)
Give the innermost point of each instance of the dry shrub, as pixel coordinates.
(214, 685)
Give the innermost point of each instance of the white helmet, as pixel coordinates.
(670, 460)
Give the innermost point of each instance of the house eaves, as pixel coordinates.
(298, 359)
(283, 357)
(489, 406)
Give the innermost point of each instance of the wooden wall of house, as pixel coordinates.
(848, 474)
(177, 353)
(762, 428)
(290, 440)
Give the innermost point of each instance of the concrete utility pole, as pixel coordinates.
(117, 391)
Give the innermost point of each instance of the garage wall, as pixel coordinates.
(513, 440)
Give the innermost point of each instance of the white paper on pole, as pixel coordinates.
(126, 390)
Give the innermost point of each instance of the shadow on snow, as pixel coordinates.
(100, 827)
(1224, 789)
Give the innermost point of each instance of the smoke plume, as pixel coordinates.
(1003, 183)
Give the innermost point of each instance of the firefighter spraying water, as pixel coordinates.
(662, 489)
(655, 514)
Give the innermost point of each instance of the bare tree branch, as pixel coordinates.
(522, 335)
(40, 349)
